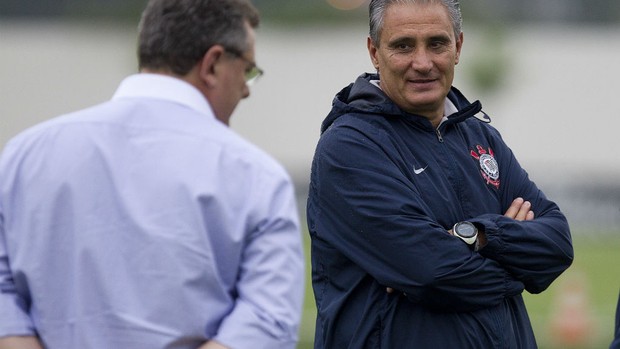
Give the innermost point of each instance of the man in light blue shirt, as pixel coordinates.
(145, 222)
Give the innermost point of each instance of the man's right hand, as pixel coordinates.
(520, 210)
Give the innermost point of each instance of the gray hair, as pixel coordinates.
(377, 10)
(174, 35)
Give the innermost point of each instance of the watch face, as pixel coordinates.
(465, 229)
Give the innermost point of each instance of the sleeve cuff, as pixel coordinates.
(244, 328)
(494, 244)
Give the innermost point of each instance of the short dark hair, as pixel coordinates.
(377, 9)
(174, 35)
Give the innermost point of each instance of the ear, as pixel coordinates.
(373, 52)
(209, 66)
(459, 45)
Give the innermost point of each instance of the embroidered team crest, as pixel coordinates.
(488, 165)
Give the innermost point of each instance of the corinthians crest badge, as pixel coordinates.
(488, 165)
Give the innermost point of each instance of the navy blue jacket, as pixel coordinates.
(385, 188)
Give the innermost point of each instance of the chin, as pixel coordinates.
(426, 104)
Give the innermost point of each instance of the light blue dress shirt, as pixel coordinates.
(145, 223)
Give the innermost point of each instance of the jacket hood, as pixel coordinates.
(364, 97)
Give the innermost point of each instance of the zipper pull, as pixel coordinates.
(439, 136)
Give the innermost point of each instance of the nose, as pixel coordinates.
(422, 61)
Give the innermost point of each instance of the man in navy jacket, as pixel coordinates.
(425, 229)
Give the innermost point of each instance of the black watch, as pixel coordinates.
(467, 231)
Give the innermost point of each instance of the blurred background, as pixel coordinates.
(546, 72)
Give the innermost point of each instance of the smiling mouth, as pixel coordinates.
(422, 81)
(422, 84)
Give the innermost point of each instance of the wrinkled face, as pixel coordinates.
(416, 57)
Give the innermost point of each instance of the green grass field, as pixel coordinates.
(595, 271)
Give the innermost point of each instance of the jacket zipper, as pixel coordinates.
(439, 136)
(437, 130)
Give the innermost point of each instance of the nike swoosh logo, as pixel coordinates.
(419, 170)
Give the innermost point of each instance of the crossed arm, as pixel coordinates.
(519, 210)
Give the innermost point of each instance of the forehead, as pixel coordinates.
(416, 19)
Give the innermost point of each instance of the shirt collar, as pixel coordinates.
(449, 108)
(164, 87)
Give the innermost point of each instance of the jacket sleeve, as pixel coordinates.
(366, 209)
(536, 252)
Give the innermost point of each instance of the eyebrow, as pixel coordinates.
(441, 37)
(409, 39)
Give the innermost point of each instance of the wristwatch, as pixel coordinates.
(467, 231)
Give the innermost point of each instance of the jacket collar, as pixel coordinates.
(365, 97)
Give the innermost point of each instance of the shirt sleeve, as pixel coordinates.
(536, 252)
(365, 208)
(15, 319)
(270, 289)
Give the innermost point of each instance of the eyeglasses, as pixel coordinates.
(253, 72)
